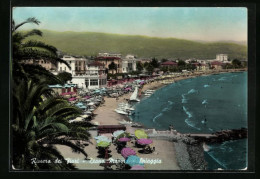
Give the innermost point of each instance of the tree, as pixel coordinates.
(24, 50)
(236, 63)
(112, 66)
(164, 69)
(64, 77)
(150, 68)
(155, 63)
(139, 66)
(181, 63)
(164, 60)
(40, 121)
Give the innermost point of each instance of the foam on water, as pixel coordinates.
(205, 86)
(215, 159)
(183, 100)
(187, 112)
(192, 91)
(205, 101)
(222, 79)
(157, 116)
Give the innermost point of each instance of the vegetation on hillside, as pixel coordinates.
(91, 43)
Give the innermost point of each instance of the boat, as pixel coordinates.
(125, 122)
(134, 95)
(126, 106)
(121, 111)
(149, 92)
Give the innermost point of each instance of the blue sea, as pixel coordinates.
(205, 104)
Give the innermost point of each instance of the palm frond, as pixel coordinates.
(32, 32)
(34, 44)
(29, 20)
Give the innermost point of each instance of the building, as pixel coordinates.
(169, 64)
(200, 66)
(77, 64)
(222, 58)
(107, 60)
(96, 76)
(44, 63)
(129, 64)
(216, 65)
(109, 55)
(93, 78)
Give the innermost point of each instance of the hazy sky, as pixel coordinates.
(208, 24)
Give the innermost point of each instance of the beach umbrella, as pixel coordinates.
(140, 134)
(117, 133)
(137, 167)
(79, 104)
(144, 141)
(102, 138)
(133, 160)
(127, 152)
(124, 139)
(72, 99)
(103, 144)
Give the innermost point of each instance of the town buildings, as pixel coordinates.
(44, 63)
(129, 64)
(87, 75)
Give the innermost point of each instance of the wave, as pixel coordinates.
(170, 102)
(205, 86)
(191, 123)
(192, 91)
(183, 100)
(154, 119)
(219, 162)
(222, 79)
(205, 101)
(187, 112)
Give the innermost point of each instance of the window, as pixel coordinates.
(65, 68)
(60, 68)
(93, 82)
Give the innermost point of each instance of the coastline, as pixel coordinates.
(175, 155)
(187, 157)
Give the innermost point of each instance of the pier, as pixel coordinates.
(217, 137)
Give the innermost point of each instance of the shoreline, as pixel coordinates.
(175, 155)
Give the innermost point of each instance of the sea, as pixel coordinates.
(204, 104)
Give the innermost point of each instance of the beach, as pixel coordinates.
(173, 155)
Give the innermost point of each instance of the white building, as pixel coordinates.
(105, 54)
(78, 65)
(95, 76)
(86, 76)
(222, 58)
(129, 64)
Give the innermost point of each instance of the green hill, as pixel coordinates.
(90, 43)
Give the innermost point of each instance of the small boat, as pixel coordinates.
(125, 122)
(121, 111)
(134, 95)
(149, 92)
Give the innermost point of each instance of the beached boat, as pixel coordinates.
(134, 95)
(125, 122)
(149, 92)
(121, 111)
(126, 106)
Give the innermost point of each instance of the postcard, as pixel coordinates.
(129, 88)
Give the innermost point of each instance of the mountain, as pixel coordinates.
(91, 43)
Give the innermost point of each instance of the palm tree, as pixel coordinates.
(40, 122)
(24, 50)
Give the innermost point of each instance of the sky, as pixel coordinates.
(205, 24)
